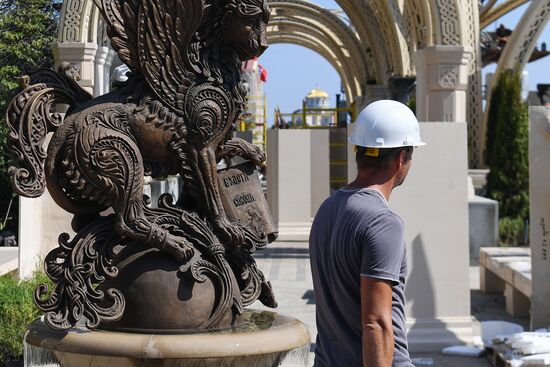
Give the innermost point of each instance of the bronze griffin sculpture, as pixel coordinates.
(174, 115)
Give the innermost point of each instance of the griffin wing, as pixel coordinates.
(121, 18)
(153, 36)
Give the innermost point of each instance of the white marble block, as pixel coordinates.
(320, 168)
(539, 196)
(483, 219)
(41, 221)
(298, 178)
(433, 203)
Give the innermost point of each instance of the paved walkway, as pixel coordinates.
(8, 259)
(286, 265)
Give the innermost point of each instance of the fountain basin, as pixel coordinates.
(263, 339)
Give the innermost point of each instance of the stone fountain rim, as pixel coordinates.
(288, 335)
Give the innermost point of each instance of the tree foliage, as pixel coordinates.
(507, 156)
(28, 28)
(17, 310)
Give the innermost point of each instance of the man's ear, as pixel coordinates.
(400, 159)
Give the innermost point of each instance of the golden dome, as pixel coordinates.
(317, 93)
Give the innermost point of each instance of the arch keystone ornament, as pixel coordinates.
(174, 115)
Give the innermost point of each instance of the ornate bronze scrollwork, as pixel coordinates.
(174, 115)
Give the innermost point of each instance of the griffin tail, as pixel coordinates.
(31, 116)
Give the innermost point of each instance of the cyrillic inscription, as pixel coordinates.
(235, 179)
(243, 199)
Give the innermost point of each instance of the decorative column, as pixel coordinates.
(433, 203)
(107, 70)
(441, 83)
(100, 60)
(82, 57)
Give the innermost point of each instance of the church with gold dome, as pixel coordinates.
(318, 99)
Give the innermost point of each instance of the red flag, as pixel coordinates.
(263, 73)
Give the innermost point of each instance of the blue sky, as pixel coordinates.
(295, 70)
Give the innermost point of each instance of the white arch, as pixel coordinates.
(288, 27)
(314, 45)
(296, 18)
(380, 26)
(334, 27)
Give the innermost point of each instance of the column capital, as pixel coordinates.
(81, 56)
(442, 82)
(66, 51)
(445, 54)
(446, 66)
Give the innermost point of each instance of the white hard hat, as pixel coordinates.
(386, 124)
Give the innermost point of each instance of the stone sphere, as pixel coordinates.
(159, 299)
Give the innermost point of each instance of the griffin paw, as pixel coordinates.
(180, 248)
(257, 156)
(230, 232)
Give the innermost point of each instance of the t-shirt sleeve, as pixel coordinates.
(382, 247)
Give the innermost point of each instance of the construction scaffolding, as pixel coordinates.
(332, 117)
(255, 120)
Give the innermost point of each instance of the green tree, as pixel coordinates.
(507, 157)
(17, 310)
(28, 28)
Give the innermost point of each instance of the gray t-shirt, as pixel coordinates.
(355, 234)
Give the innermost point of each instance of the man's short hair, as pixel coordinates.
(379, 158)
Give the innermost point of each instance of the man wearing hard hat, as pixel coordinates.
(357, 250)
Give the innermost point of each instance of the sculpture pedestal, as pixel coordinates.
(263, 339)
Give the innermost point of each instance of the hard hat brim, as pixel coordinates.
(352, 142)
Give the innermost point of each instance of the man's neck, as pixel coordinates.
(379, 181)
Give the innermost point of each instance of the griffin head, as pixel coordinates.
(244, 24)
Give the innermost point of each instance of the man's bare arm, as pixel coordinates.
(376, 319)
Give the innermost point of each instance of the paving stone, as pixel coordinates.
(286, 265)
(8, 259)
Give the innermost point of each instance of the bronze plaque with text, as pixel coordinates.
(243, 199)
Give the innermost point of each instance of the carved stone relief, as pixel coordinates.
(71, 26)
(448, 76)
(449, 22)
